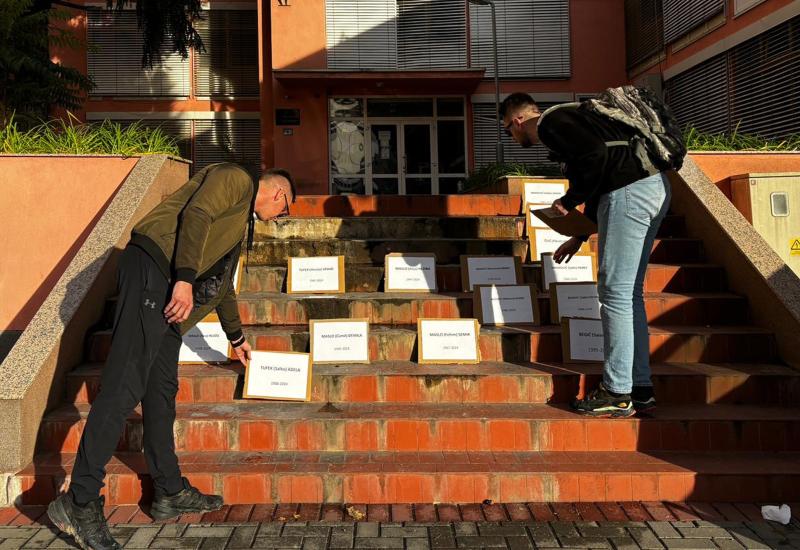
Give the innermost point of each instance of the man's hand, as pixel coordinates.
(243, 352)
(558, 207)
(567, 250)
(180, 306)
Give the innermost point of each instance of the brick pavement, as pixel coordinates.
(620, 526)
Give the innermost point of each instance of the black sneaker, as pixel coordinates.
(86, 524)
(644, 399)
(602, 404)
(187, 501)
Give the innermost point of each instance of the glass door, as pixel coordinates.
(417, 166)
(385, 159)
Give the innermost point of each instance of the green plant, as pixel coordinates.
(490, 173)
(72, 137)
(734, 141)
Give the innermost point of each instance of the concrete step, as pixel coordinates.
(448, 251)
(400, 308)
(459, 478)
(479, 227)
(417, 427)
(407, 382)
(370, 278)
(344, 206)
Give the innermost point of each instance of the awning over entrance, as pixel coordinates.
(381, 82)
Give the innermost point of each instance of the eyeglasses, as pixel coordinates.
(285, 211)
(507, 128)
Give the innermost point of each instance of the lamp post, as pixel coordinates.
(499, 149)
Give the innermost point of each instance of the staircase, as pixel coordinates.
(395, 431)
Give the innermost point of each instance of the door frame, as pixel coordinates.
(401, 152)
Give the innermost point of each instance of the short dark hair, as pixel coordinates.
(282, 173)
(515, 101)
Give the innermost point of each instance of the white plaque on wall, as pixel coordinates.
(543, 192)
(339, 341)
(410, 273)
(278, 375)
(580, 269)
(506, 304)
(204, 343)
(489, 270)
(448, 341)
(582, 340)
(317, 274)
(573, 300)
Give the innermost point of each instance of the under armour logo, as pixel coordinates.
(149, 303)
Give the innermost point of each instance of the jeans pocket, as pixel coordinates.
(644, 199)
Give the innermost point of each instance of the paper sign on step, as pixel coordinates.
(284, 376)
(580, 269)
(543, 192)
(205, 342)
(532, 221)
(573, 300)
(316, 275)
(489, 270)
(448, 341)
(410, 272)
(335, 341)
(543, 241)
(506, 304)
(582, 340)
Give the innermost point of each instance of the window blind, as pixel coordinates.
(229, 66)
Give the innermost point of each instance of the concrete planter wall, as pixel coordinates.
(719, 166)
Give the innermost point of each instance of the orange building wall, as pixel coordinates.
(298, 35)
(49, 207)
(720, 167)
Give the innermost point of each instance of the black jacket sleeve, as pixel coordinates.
(584, 152)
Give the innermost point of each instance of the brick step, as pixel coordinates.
(370, 278)
(479, 227)
(415, 427)
(406, 382)
(343, 206)
(393, 478)
(406, 308)
(373, 251)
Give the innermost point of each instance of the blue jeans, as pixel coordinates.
(628, 220)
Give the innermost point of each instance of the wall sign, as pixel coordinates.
(287, 117)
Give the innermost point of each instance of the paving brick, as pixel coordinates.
(417, 544)
(519, 543)
(404, 532)
(306, 530)
(272, 529)
(41, 539)
(480, 542)
(466, 529)
(8, 532)
(368, 529)
(542, 534)
(13, 544)
(217, 543)
(764, 530)
(645, 538)
(442, 537)
(175, 544)
(202, 532)
(704, 533)
(728, 544)
(172, 530)
(378, 542)
(243, 536)
(315, 543)
(748, 538)
(664, 529)
(341, 540)
(564, 529)
(602, 532)
(690, 544)
(624, 543)
(583, 542)
(278, 542)
(502, 530)
(142, 537)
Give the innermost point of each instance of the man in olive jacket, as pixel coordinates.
(177, 268)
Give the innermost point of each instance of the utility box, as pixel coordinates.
(771, 202)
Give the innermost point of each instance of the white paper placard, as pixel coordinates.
(585, 340)
(533, 221)
(543, 193)
(446, 341)
(546, 240)
(490, 270)
(339, 341)
(278, 375)
(579, 269)
(204, 343)
(407, 272)
(577, 300)
(505, 305)
(316, 274)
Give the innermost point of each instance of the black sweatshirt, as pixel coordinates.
(577, 138)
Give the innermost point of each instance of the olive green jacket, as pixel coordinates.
(197, 226)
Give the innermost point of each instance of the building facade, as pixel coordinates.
(397, 96)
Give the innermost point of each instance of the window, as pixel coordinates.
(741, 6)
(780, 204)
(115, 60)
(532, 35)
(229, 66)
(484, 127)
(682, 16)
(644, 30)
(228, 140)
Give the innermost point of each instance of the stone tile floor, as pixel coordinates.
(654, 525)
